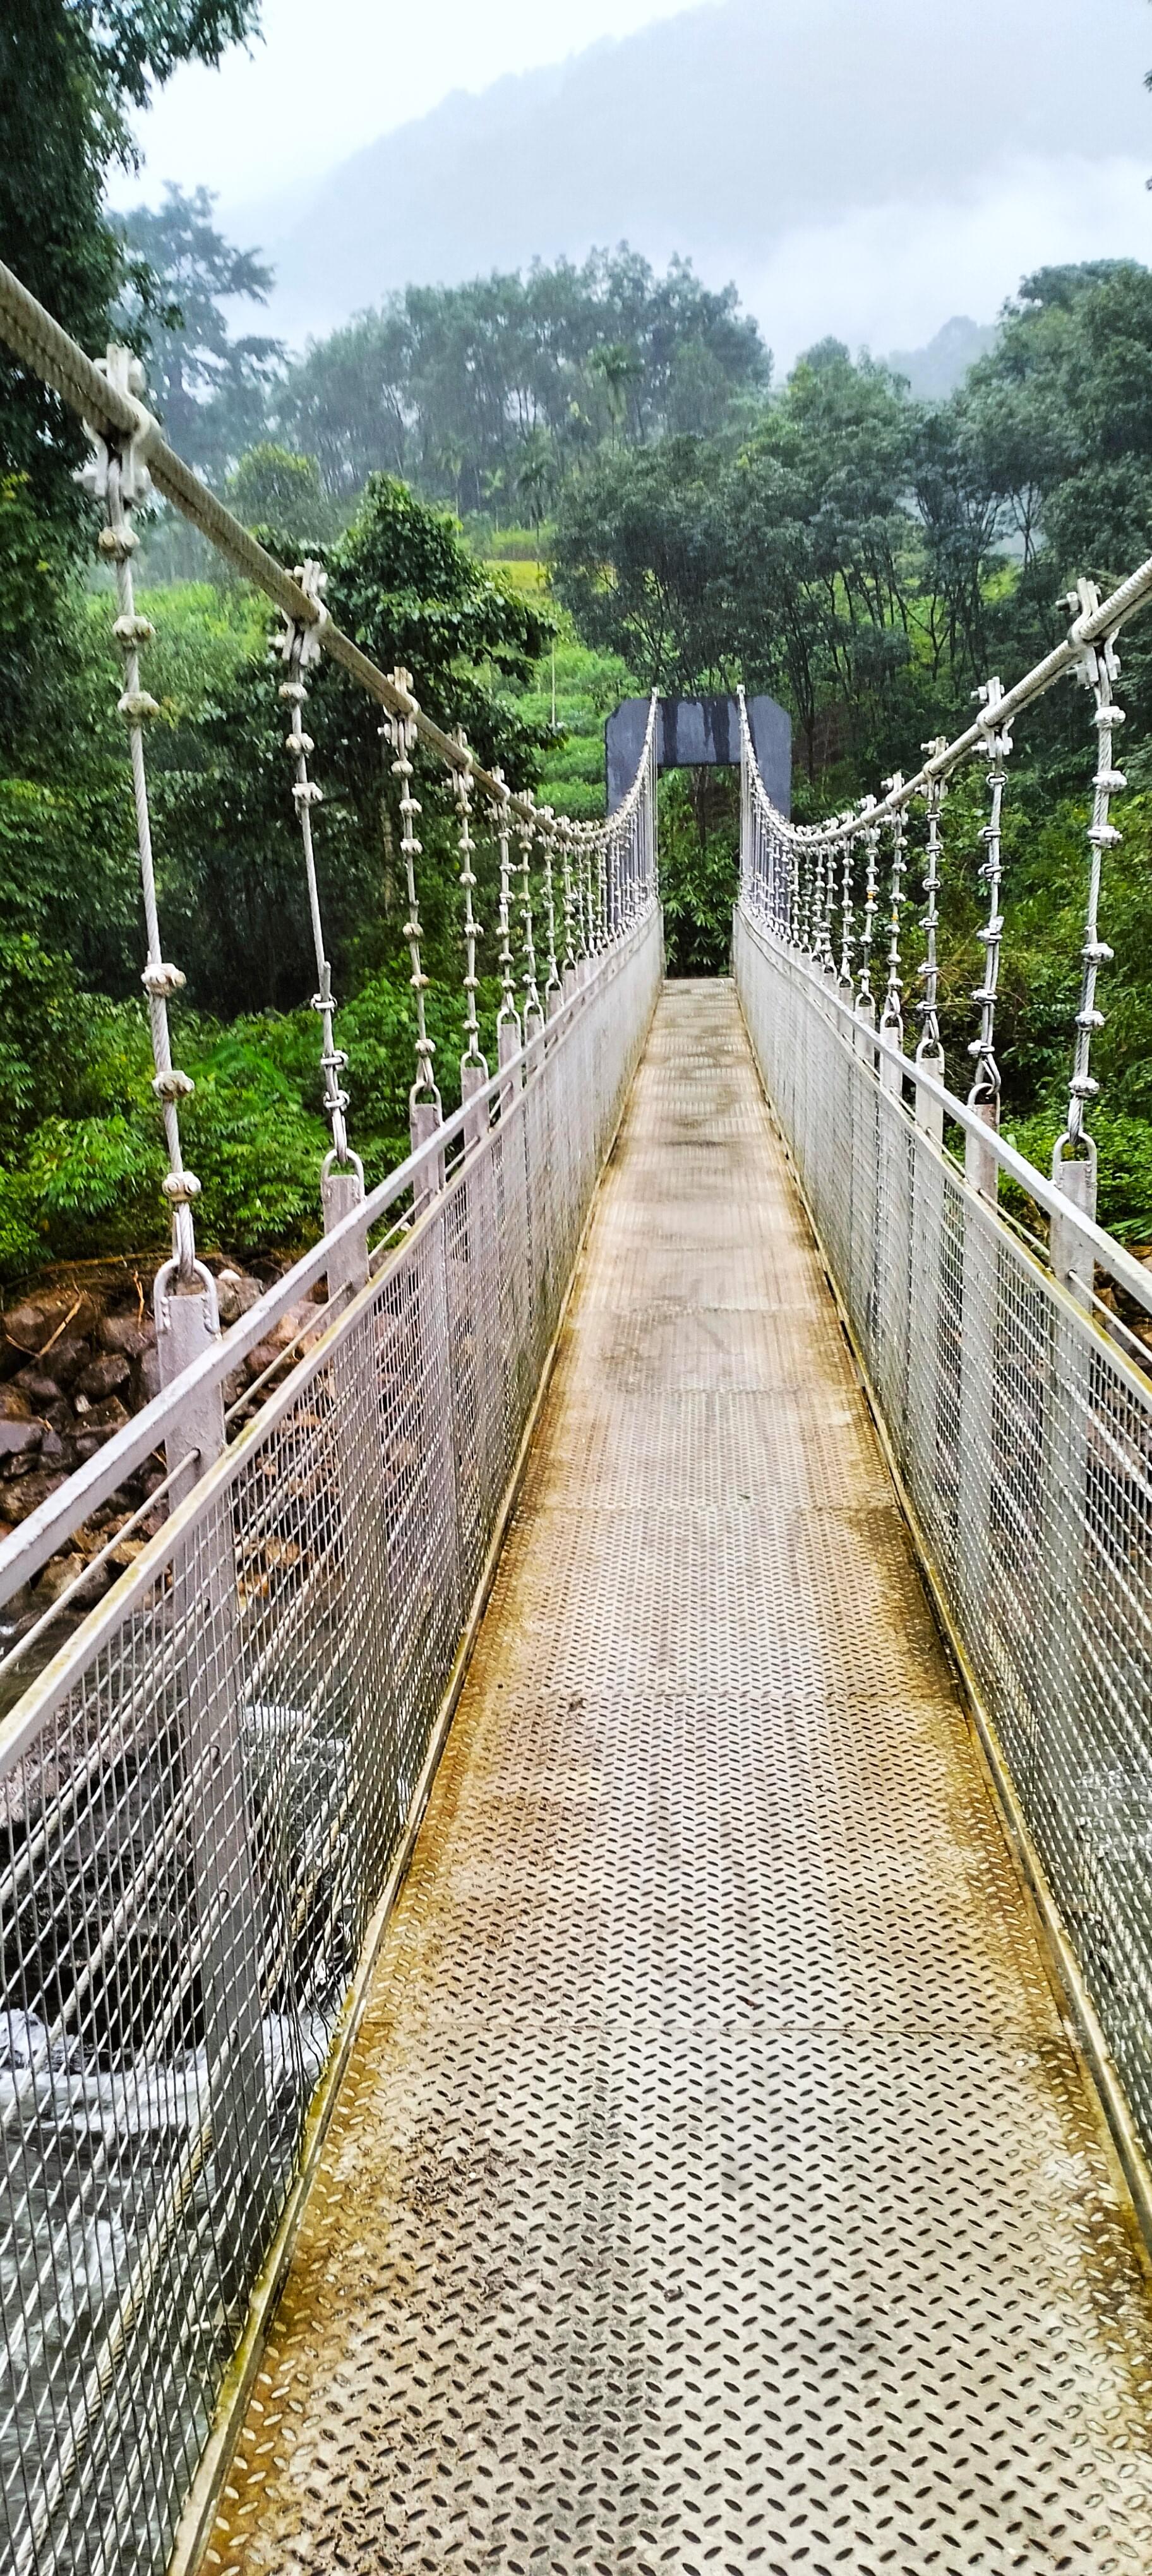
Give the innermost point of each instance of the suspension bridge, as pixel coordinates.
(577, 1927)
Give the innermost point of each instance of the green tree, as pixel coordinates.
(71, 72)
(638, 559)
(275, 489)
(620, 372)
(537, 478)
(346, 402)
(210, 390)
(446, 384)
(824, 562)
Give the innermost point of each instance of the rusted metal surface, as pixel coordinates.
(715, 2184)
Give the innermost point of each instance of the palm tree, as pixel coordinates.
(537, 479)
(620, 369)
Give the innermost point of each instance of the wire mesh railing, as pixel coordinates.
(1017, 1405)
(204, 1793)
(206, 1789)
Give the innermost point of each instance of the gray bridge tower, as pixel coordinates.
(697, 733)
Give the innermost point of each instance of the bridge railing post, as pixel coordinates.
(926, 1262)
(979, 1300)
(362, 1503)
(1066, 1455)
(231, 1902)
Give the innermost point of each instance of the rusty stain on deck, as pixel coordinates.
(714, 2185)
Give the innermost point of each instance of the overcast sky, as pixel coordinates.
(330, 75)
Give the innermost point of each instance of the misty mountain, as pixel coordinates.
(715, 133)
(934, 372)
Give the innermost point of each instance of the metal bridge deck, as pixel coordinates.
(714, 2186)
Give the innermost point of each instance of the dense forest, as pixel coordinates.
(539, 491)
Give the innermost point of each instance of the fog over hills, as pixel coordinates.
(867, 166)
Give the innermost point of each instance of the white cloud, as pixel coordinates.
(326, 79)
(888, 277)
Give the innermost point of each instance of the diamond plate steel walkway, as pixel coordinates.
(714, 2185)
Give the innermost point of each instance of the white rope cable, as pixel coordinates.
(996, 743)
(846, 916)
(552, 971)
(892, 1015)
(508, 1016)
(1100, 666)
(117, 474)
(113, 412)
(401, 730)
(929, 1049)
(533, 1014)
(462, 785)
(300, 646)
(870, 835)
(568, 898)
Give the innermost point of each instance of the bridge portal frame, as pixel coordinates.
(699, 733)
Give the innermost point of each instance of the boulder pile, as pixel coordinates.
(77, 1360)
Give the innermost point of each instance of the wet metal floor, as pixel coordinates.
(714, 2186)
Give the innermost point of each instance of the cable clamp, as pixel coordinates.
(161, 981)
(125, 373)
(301, 642)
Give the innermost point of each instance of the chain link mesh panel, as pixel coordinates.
(1025, 1442)
(201, 1800)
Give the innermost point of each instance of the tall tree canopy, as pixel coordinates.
(71, 71)
(210, 390)
(447, 384)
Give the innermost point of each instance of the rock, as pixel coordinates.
(108, 1416)
(147, 1376)
(17, 1613)
(18, 1440)
(60, 1417)
(40, 1390)
(20, 1443)
(63, 1570)
(102, 1376)
(39, 1315)
(299, 1319)
(236, 1292)
(100, 1422)
(130, 1334)
(66, 1358)
(126, 1554)
(21, 1500)
(23, 2041)
(54, 1450)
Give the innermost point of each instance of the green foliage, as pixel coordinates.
(271, 487)
(638, 560)
(490, 391)
(863, 556)
(71, 71)
(80, 1137)
(209, 389)
(1124, 1168)
(35, 651)
(583, 686)
(699, 847)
